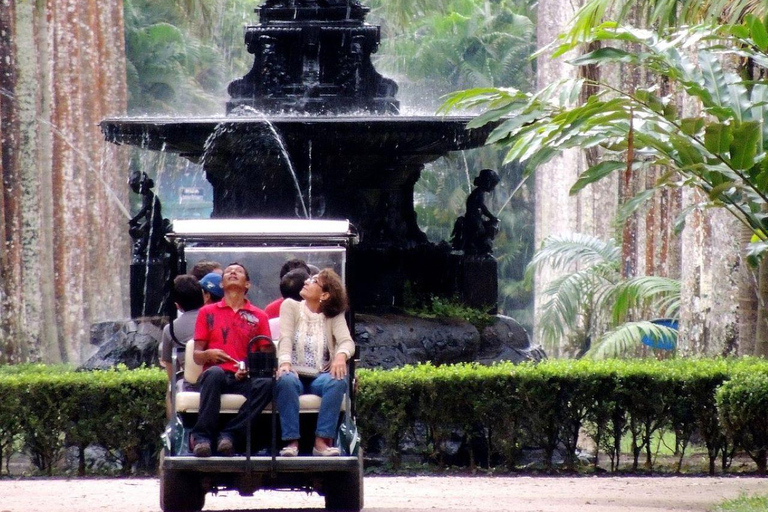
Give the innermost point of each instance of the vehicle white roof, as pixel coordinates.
(261, 229)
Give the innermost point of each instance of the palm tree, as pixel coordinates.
(601, 313)
(721, 152)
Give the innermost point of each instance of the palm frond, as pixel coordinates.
(628, 337)
(661, 14)
(653, 293)
(565, 251)
(567, 299)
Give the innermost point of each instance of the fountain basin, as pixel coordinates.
(360, 168)
(406, 135)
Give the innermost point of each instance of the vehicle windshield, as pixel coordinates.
(263, 264)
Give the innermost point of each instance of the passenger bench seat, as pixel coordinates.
(189, 401)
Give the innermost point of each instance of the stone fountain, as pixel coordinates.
(314, 131)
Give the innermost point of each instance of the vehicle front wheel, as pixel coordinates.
(180, 491)
(344, 491)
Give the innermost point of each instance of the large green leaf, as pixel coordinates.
(688, 154)
(720, 189)
(628, 337)
(759, 108)
(716, 84)
(757, 31)
(596, 173)
(606, 55)
(718, 138)
(691, 126)
(562, 251)
(639, 292)
(633, 204)
(744, 146)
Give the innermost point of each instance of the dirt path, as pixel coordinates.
(403, 494)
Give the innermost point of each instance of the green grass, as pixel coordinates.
(744, 504)
(662, 444)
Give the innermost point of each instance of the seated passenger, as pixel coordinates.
(188, 296)
(212, 291)
(222, 333)
(273, 308)
(315, 345)
(204, 267)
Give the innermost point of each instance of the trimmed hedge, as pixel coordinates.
(497, 410)
(544, 406)
(743, 406)
(48, 411)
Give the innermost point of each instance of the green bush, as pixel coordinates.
(119, 409)
(10, 418)
(545, 406)
(741, 403)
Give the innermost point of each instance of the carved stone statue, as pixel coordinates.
(147, 227)
(474, 232)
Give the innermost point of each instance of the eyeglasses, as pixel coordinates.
(314, 280)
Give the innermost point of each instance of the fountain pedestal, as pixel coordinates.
(313, 57)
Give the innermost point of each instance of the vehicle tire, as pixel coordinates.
(344, 491)
(180, 491)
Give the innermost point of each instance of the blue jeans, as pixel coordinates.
(287, 391)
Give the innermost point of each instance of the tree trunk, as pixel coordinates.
(761, 325)
(12, 345)
(557, 212)
(64, 264)
(707, 258)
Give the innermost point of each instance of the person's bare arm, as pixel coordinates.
(205, 355)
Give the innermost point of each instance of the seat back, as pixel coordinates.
(192, 370)
(274, 328)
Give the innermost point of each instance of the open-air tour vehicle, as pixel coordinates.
(262, 246)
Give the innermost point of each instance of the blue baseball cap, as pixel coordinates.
(211, 283)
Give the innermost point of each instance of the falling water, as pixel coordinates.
(287, 157)
(309, 170)
(223, 128)
(466, 171)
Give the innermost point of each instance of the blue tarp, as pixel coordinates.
(663, 342)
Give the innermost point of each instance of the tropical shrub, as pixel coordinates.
(741, 404)
(601, 312)
(119, 409)
(545, 406)
(496, 411)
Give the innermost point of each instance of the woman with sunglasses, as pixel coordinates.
(314, 347)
